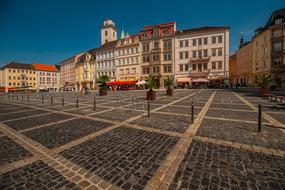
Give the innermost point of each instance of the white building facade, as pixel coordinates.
(105, 60)
(202, 54)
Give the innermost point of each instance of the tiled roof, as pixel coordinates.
(201, 29)
(276, 14)
(159, 25)
(108, 45)
(15, 65)
(44, 67)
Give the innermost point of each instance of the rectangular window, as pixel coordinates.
(156, 57)
(167, 44)
(277, 46)
(213, 39)
(167, 69)
(205, 41)
(205, 52)
(200, 67)
(199, 41)
(205, 66)
(220, 65)
(194, 67)
(277, 33)
(213, 65)
(220, 39)
(146, 47)
(186, 43)
(194, 42)
(181, 55)
(220, 52)
(181, 43)
(199, 53)
(186, 67)
(194, 54)
(186, 55)
(167, 56)
(213, 52)
(181, 68)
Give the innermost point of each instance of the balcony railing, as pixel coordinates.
(199, 59)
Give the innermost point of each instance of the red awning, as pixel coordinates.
(121, 83)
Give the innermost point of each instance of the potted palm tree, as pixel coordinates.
(169, 83)
(151, 83)
(263, 81)
(103, 87)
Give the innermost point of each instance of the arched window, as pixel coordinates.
(106, 32)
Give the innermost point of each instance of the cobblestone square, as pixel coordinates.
(117, 146)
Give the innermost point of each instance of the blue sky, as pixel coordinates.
(48, 31)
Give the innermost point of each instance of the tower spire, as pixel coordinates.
(241, 41)
(122, 34)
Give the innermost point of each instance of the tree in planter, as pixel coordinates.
(169, 83)
(263, 81)
(103, 79)
(151, 84)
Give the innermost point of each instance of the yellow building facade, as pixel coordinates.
(17, 75)
(85, 71)
(261, 59)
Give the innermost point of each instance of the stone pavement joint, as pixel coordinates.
(60, 164)
(272, 121)
(167, 170)
(242, 146)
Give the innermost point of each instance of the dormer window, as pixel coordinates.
(156, 32)
(166, 31)
(106, 33)
(278, 21)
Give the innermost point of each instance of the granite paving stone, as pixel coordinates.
(229, 114)
(124, 157)
(231, 106)
(35, 176)
(118, 114)
(22, 114)
(27, 123)
(85, 111)
(168, 122)
(209, 166)
(241, 132)
(11, 151)
(62, 133)
(181, 110)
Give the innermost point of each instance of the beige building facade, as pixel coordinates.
(68, 73)
(128, 59)
(202, 53)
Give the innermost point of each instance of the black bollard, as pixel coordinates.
(22, 98)
(94, 104)
(77, 103)
(148, 109)
(192, 112)
(259, 117)
(62, 101)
